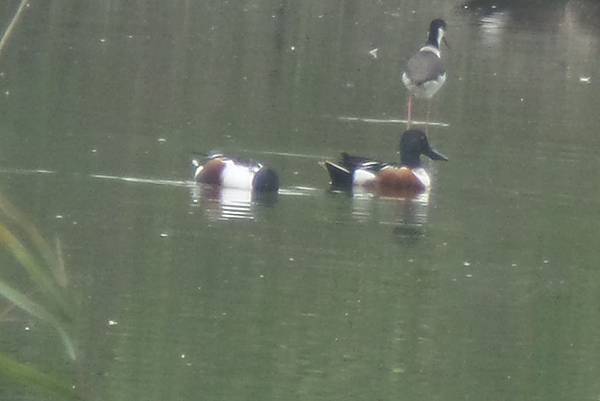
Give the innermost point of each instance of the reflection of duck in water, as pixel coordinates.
(408, 178)
(223, 203)
(220, 170)
(405, 212)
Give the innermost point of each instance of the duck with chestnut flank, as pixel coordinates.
(407, 177)
(217, 169)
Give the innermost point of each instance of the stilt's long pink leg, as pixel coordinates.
(409, 108)
(428, 113)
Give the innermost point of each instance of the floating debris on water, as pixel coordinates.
(302, 188)
(390, 121)
(140, 180)
(285, 154)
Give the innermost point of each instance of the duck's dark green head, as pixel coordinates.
(413, 144)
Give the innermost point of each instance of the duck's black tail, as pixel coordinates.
(351, 162)
(339, 176)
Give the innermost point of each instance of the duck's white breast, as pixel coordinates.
(362, 177)
(422, 175)
(236, 176)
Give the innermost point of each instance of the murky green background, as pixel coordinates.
(487, 290)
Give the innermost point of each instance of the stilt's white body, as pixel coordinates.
(428, 88)
(425, 90)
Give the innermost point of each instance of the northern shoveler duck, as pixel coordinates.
(218, 169)
(408, 177)
(425, 73)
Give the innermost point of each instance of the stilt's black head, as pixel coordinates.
(437, 29)
(436, 24)
(266, 180)
(413, 144)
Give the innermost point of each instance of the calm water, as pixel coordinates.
(486, 289)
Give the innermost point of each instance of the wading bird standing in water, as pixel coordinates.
(425, 73)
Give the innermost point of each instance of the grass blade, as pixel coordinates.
(36, 272)
(22, 301)
(30, 376)
(34, 235)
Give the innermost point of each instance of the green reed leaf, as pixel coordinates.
(37, 274)
(31, 377)
(23, 302)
